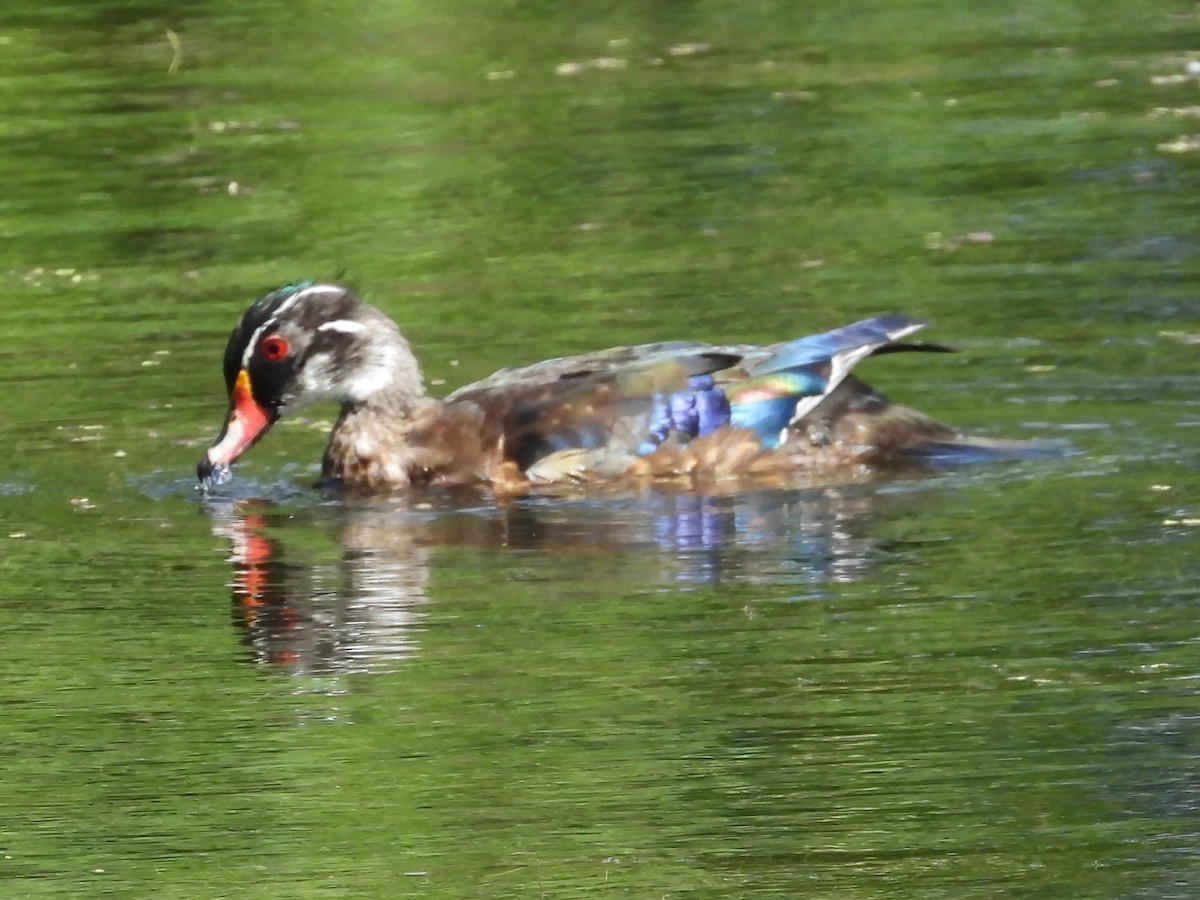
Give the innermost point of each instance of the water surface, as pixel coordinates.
(967, 683)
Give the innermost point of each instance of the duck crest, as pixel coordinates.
(676, 409)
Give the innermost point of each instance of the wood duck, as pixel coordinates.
(680, 410)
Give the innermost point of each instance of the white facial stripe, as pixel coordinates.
(253, 342)
(283, 307)
(344, 326)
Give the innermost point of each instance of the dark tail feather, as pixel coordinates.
(913, 347)
(965, 450)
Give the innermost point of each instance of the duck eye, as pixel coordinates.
(273, 348)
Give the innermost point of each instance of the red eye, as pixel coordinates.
(273, 348)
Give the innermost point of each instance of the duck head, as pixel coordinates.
(299, 344)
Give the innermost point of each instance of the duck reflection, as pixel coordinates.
(313, 616)
(360, 606)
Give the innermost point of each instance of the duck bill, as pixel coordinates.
(248, 421)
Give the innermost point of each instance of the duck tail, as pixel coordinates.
(966, 449)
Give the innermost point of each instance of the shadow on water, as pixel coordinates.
(362, 610)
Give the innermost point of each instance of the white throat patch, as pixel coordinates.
(343, 326)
